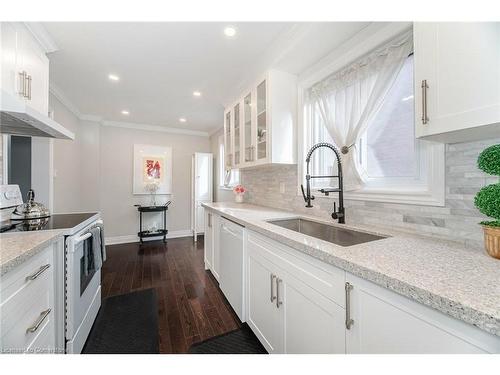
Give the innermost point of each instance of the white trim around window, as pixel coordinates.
(429, 191)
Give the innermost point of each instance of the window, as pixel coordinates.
(389, 151)
(227, 178)
(393, 164)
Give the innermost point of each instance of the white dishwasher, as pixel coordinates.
(231, 264)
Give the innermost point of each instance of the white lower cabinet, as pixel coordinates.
(263, 315)
(287, 314)
(313, 323)
(386, 322)
(208, 241)
(31, 305)
(211, 243)
(295, 303)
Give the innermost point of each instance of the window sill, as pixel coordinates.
(229, 188)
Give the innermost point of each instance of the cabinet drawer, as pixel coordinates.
(23, 311)
(32, 273)
(325, 279)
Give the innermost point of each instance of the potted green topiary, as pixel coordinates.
(487, 200)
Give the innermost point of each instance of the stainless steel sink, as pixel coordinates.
(330, 233)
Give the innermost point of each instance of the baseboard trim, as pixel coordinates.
(116, 240)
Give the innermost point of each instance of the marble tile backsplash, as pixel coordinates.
(457, 220)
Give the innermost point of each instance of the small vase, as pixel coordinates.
(238, 198)
(152, 201)
(492, 241)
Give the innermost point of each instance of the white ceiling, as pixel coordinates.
(161, 64)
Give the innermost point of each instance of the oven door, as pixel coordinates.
(83, 291)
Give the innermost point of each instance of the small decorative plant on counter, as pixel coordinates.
(239, 191)
(487, 200)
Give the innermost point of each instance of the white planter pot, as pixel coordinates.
(238, 198)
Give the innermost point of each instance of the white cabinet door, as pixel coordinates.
(10, 76)
(313, 323)
(216, 246)
(33, 60)
(263, 316)
(460, 62)
(209, 240)
(385, 322)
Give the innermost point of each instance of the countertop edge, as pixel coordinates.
(449, 307)
(13, 263)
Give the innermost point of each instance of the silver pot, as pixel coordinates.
(30, 209)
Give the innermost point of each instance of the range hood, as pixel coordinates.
(19, 119)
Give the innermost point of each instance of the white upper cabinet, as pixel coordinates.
(9, 59)
(25, 67)
(457, 81)
(260, 127)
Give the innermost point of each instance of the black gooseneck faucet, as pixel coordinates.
(336, 215)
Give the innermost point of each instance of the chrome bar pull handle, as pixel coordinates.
(22, 83)
(425, 86)
(210, 220)
(38, 273)
(348, 321)
(273, 297)
(29, 88)
(39, 321)
(278, 302)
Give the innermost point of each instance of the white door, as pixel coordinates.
(264, 317)
(231, 265)
(460, 64)
(387, 323)
(202, 188)
(313, 323)
(209, 240)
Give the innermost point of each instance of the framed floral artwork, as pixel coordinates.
(152, 166)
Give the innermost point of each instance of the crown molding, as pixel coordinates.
(59, 95)
(154, 128)
(92, 118)
(215, 131)
(42, 36)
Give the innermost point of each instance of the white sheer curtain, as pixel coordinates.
(348, 99)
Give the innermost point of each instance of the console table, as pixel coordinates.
(158, 233)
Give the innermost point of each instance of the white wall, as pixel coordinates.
(66, 163)
(95, 173)
(116, 166)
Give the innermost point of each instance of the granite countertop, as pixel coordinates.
(16, 248)
(461, 282)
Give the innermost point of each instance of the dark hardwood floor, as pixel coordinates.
(191, 307)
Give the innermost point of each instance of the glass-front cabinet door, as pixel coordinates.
(247, 124)
(228, 141)
(237, 135)
(261, 121)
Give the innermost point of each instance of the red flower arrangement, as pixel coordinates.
(239, 189)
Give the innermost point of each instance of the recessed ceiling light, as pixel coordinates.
(230, 31)
(196, 93)
(125, 112)
(182, 119)
(113, 77)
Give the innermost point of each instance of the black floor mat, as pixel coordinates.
(125, 324)
(240, 341)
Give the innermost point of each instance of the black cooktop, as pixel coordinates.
(56, 221)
